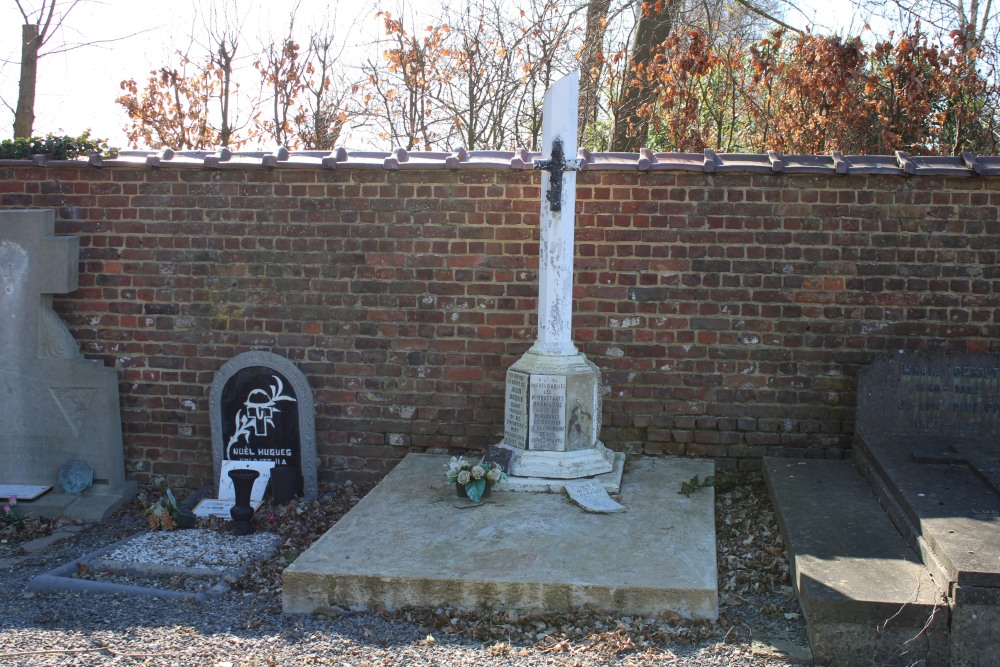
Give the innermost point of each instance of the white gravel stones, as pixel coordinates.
(198, 548)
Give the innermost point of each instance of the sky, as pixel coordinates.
(76, 89)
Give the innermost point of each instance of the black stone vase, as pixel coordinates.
(243, 480)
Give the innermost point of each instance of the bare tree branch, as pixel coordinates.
(774, 19)
(96, 42)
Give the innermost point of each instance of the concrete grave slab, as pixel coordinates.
(56, 405)
(864, 592)
(261, 409)
(407, 544)
(928, 442)
(928, 445)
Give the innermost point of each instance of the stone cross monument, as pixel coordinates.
(552, 415)
(55, 406)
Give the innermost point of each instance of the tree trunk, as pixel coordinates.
(631, 125)
(591, 62)
(24, 115)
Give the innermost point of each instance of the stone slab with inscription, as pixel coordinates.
(261, 409)
(592, 497)
(57, 405)
(218, 507)
(928, 441)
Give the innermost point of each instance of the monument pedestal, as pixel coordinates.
(552, 422)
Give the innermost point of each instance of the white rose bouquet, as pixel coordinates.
(474, 480)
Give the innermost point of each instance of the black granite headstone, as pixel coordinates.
(260, 417)
(262, 410)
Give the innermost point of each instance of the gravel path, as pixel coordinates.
(760, 623)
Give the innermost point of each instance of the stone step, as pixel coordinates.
(865, 595)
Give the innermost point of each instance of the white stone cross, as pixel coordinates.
(555, 253)
(34, 264)
(552, 408)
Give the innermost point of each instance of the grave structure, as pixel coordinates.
(411, 543)
(918, 545)
(261, 409)
(55, 405)
(552, 418)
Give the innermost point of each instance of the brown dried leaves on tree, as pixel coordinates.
(813, 94)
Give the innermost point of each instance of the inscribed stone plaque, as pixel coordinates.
(548, 412)
(262, 410)
(592, 497)
(227, 490)
(21, 491)
(515, 423)
(219, 508)
(950, 395)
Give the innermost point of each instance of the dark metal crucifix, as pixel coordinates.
(556, 165)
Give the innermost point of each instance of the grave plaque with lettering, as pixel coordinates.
(548, 412)
(262, 410)
(516, 409)
(931, 395)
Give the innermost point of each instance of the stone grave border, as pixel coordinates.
(306, 408)
(61, 579)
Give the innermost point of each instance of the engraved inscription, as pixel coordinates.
(592, 497)
(515, 423)
(956, 400)
(548, 412)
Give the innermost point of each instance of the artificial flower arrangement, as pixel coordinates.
(10, 518)
(167, 514)
(475, 480)
(163, 514)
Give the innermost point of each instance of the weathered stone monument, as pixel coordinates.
(55, 406)
(261, 409)
(911, 545)
(407, 544)
(552, 416)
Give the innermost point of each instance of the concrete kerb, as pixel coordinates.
(61, 578)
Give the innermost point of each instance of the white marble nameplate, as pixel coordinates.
(22, 491)
(548, 413)
(515, 425)
(220, 508)
(226, 489)
(592, 497)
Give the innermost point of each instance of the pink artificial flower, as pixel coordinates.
(12, 500)
(6, 509)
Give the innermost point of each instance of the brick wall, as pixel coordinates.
(729, 313)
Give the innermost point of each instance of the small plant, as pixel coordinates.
(10, 518)
(57, 148)
(163, 515)
(475, 478)
(722, 481)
